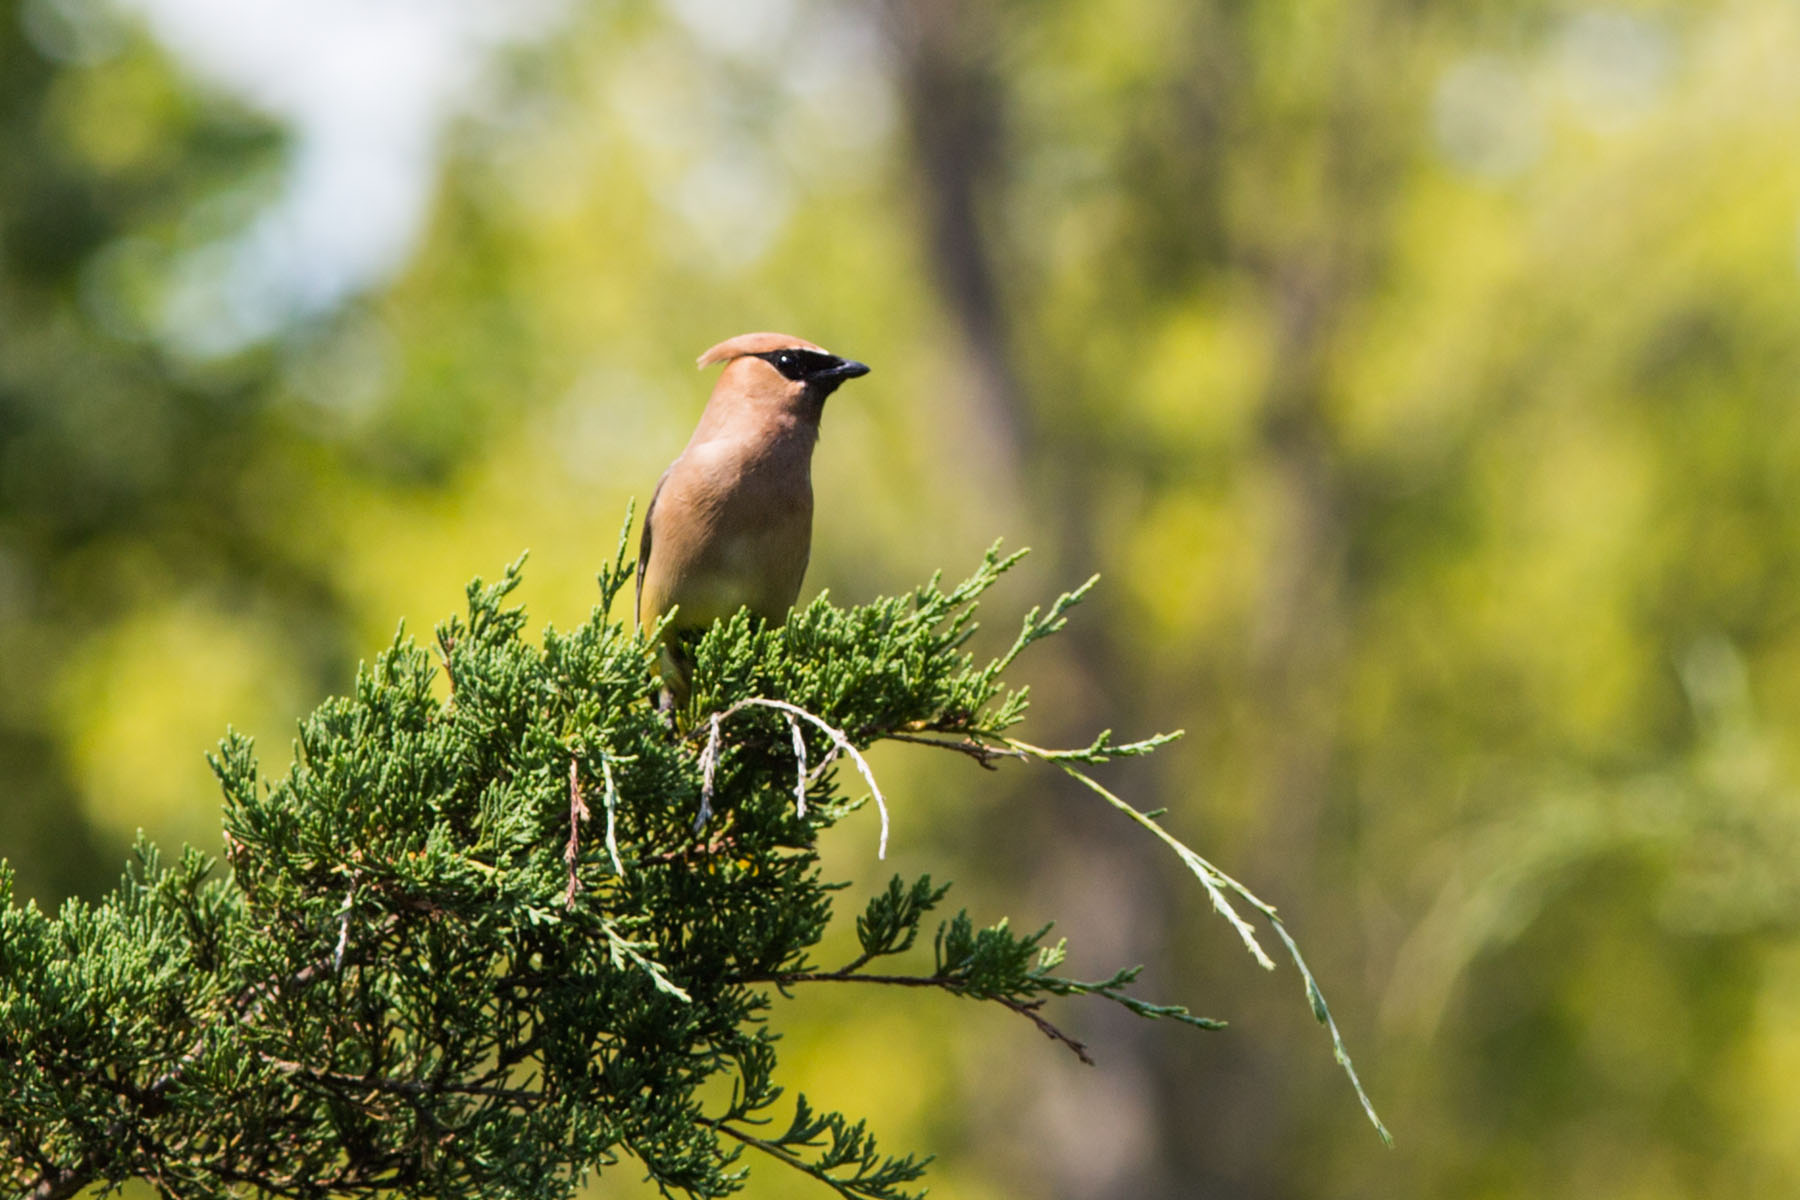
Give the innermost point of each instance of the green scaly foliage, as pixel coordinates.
(479, 945)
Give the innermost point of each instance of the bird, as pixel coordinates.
(730, 523)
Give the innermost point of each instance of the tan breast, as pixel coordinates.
(745, 532)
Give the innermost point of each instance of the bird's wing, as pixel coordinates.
(644, 547)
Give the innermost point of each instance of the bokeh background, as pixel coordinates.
(1423, 379)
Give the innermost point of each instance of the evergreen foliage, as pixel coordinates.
(482, 946)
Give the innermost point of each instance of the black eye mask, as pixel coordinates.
(814, 367)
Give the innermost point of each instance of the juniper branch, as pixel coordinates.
(411, 982)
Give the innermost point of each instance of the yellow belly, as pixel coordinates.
(757, 569)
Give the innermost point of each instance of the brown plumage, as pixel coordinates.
(730, 523)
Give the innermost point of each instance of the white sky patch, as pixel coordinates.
(799, 105)
(741, 28)
(366, 89)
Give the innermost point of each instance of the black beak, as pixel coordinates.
(846, 368)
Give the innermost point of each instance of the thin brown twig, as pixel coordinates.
(980, 751)
(578, 813)
(713, 845)
(401, 1087)
(445, 644)
(1029, 1009)
(1025, 1008)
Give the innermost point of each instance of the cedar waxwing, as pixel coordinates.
(730, 522)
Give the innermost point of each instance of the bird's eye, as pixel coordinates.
(791, 363)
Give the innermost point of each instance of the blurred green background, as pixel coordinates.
(1423, 380)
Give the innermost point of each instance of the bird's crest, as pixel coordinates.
(754, 343)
